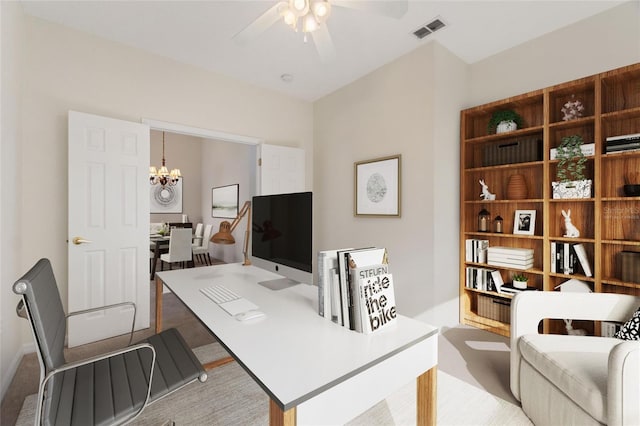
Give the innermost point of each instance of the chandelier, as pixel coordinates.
(305, 15)
(163, 176)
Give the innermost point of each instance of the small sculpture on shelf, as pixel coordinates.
(572, 110)
(570, 229)
(486, 195)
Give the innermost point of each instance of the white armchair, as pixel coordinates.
(570, 379)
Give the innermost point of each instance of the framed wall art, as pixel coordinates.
(224, 201)
(377, 187)
(166, 199)
(524, 222)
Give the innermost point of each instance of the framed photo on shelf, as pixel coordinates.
(224, 201)
(377, 187)
(524, 222)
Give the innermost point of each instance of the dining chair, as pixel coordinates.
(107, 389)
(179, 248)
(201, 252)
(197, 235)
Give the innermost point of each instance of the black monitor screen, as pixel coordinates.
(282, 228)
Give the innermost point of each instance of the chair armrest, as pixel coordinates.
(102, 308)
(529, 308)
(76, 364)
(623, 387)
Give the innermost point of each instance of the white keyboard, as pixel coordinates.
(228, 300)
(219, 294)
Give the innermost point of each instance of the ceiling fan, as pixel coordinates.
(310, 17)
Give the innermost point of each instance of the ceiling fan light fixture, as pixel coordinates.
(309, 23)
(299, 7)
(321, 10)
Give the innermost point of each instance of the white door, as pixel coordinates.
(282, 169)
(109, 209)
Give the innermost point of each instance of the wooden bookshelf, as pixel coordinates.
(609, 222)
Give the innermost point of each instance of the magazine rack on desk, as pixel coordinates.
(291, 351)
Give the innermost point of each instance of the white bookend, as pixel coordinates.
(582, 257)
(378, 303)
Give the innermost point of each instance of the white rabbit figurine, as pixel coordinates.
(486, 195)
(570, 229)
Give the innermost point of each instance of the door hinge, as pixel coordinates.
(259, 161)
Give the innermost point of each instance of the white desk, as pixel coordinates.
(314, 371)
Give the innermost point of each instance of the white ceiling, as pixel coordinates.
(200, 33)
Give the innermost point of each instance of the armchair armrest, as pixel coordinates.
(102, 308)
(623, 388)
(529, 308)
(90, 360)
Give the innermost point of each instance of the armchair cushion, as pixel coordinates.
(631, 329)
(577, 365)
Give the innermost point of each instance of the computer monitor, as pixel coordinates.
(281, 232)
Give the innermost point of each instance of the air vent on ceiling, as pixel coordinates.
(433, 26)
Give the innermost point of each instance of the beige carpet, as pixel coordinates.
(231, 397)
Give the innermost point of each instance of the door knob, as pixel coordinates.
(80, 240)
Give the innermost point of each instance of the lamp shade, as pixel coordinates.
(223, 236)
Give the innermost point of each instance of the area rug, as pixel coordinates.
(231, 397)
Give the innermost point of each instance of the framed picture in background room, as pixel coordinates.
(377, 187)
(224, 201)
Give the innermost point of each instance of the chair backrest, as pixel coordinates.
(206, 237)
(41, 299)
(180, 245)
(198, 232)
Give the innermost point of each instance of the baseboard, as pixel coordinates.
(27, 348)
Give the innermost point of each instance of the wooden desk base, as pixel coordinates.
(208, 365)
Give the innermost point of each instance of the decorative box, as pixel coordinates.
(494, 308)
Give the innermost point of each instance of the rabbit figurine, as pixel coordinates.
(486, 195)
(570, 229)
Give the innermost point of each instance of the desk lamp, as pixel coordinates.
(223, 236)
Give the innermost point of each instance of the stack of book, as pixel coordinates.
(621, 143)
(510, 257)
(355, 288)
(476, 250)
(483, 279)
(569, 258)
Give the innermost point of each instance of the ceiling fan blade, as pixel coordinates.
(391, 8)
(324, 44)
(260, 25)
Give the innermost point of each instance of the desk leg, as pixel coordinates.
(427, 402)
(277, 417)
(158, 305)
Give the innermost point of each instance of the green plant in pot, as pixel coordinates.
(520, 281)
(504, 120)
(572, 182)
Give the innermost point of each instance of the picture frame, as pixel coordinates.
(166, 199)
(224, 201)
(524, 222)
(377, 187)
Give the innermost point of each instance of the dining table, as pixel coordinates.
(159, 244)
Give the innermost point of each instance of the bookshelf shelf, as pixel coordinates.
(609, 221)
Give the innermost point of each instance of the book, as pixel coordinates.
(327, 267)
(581, 253)
(588, 149)
(497, 280)
(476, 250)
(362, 264)
(509, 258)
(509, 288)
(511, 251)
(377, 302)
(629, 137)
(343, 279)
(521, 266)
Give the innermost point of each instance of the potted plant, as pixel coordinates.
(572, 182)
(520, 281)
(504, 120)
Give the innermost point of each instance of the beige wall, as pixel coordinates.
(185, 153)
(12, 38)
(603, 42)
(393, 111)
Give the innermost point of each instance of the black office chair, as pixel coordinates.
(112, 388)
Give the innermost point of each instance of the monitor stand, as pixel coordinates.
(279, 283)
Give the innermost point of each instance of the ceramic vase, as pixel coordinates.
(517, 187)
